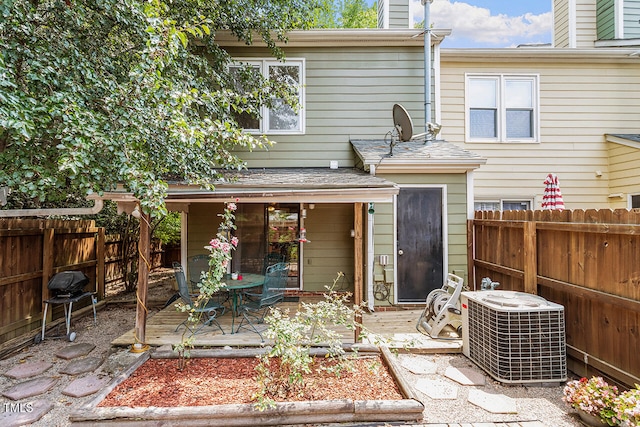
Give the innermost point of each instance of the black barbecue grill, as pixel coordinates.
(67, 284)
(66, 288)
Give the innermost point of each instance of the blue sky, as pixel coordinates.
(489, 23)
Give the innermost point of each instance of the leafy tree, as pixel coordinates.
(345, 14)
(95, 93)
(356, 14)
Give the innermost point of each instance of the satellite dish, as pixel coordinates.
(402, 122)
(403, 128)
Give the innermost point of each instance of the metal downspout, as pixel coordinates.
(427, 67)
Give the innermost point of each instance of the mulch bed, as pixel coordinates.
(215, 381)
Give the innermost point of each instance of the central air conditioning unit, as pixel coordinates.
(515, 337)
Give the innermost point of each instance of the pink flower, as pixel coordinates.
(215, 243)
(234, 241)
(232, 207)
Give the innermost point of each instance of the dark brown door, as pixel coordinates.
(420, 243)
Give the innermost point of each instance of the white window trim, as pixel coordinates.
(629, 199)
(264, 64)
(501, 125)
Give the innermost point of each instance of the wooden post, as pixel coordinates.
(530, 258)
(358, 276)
(100, 264)
(144, 251)
(471, 251)
(47, 265)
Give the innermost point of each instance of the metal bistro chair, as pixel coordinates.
(270, 259)
(210, 309)
(196, 265)
(254, 310)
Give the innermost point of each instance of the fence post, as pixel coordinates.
(100, 270)
(530, 258)
(47, 265)
(471, 252)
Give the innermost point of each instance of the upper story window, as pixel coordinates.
(279, 117)
(502, 108)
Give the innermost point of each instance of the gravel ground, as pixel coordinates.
(533, 403)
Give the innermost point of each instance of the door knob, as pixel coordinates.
(400, 252)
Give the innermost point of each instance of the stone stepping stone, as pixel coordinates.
(30, 388)
(25, 413)
(76, 350)
(85, 386)
(494, 403)
(81, 366)
(437, 389)
(26, 370)
(465, 376)
(418, 366)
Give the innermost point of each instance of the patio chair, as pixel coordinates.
(210, 309)
(255, 308)
(196, 265)
(270, 259)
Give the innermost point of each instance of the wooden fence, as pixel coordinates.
(588, 261)
(32, 251)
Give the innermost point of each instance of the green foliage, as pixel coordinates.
(345, 14)
(168, 229)
(95, 93)
(281, 369)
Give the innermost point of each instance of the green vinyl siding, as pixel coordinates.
(632, 19)
(349, 93)
(605, 11)
(561, 23)
(330, 248)
(202, 226)
(399, 14)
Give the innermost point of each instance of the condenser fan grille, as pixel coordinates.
(517, 346)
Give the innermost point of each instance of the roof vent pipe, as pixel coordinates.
(427, 67)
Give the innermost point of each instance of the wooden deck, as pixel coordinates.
(397, 327)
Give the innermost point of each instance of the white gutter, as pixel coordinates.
(15, 213)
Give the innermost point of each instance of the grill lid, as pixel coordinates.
(68, 282)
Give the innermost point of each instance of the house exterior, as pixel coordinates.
(340, 192)
(394, 225)
(570, 109)
(330, 196)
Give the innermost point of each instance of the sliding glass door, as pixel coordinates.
(268, 233)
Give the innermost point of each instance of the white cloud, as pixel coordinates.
(476, 23)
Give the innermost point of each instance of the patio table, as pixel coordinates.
(249, 280)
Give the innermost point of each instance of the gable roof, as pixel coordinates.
(415, 157)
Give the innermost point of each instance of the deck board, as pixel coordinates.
(397, 327)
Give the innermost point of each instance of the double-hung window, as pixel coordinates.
(278, 117)
(502, 108)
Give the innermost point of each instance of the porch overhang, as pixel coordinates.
(415, 157)
(282, 185)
